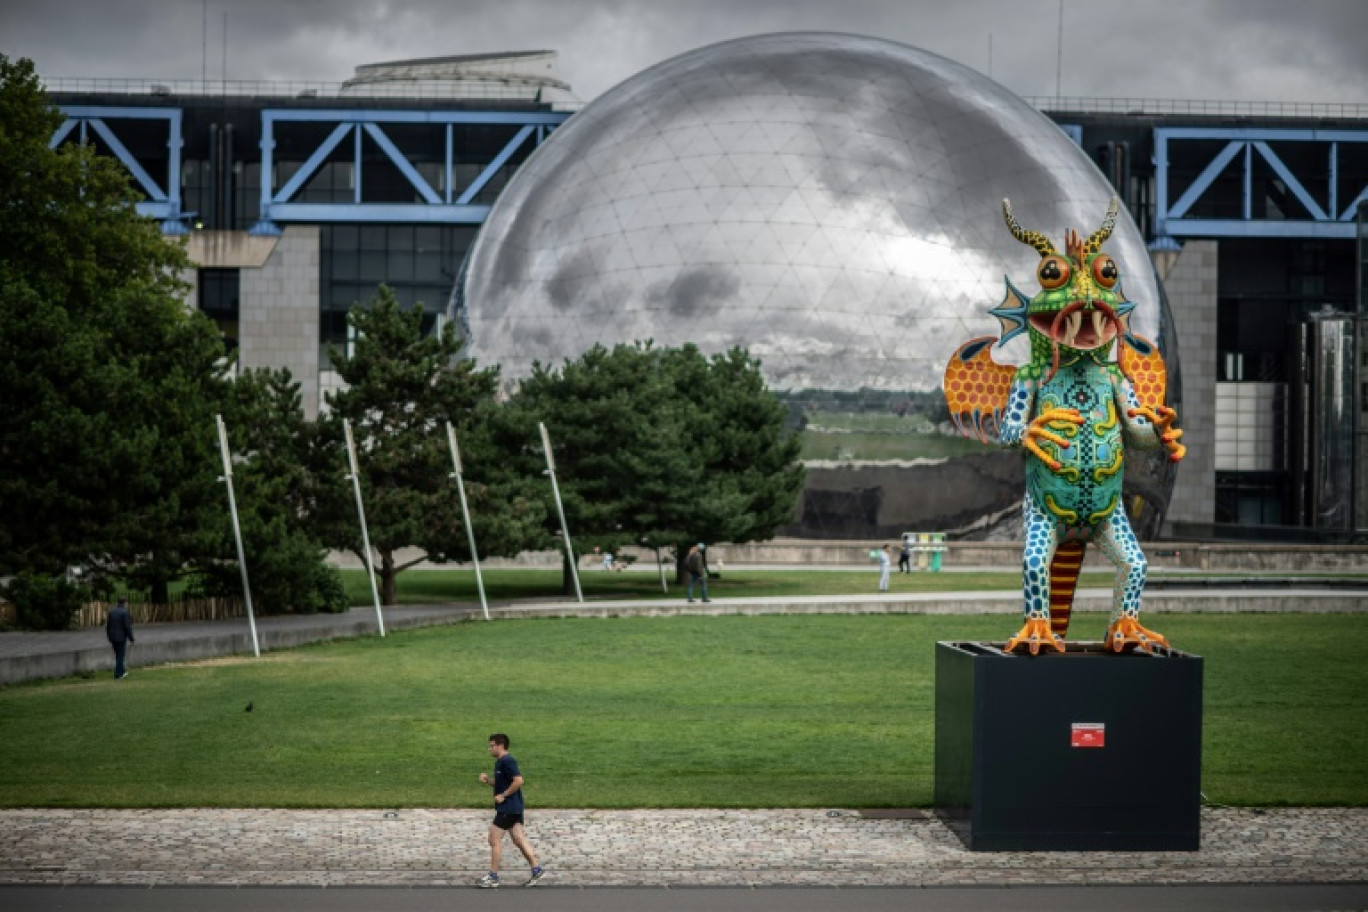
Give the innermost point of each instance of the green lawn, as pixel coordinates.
(417, 587)
(876, 446)
(879, 435)
(641, 712)
(451, 584)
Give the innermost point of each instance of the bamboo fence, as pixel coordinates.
(205, 609)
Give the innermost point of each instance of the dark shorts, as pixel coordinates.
(507, 821)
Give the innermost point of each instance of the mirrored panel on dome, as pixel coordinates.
(832, 204)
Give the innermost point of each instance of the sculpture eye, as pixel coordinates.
(1053, 272)
(1104, 271)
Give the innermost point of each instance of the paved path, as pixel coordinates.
(1198, 898)
(643, 848)
(28, 656)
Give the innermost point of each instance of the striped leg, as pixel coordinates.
(1064, 570)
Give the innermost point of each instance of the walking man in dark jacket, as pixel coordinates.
(697, 565)
(119, 629)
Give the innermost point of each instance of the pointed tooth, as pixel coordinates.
(1097, 323)
(1072, 322)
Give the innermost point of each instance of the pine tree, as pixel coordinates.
(110, 383)
(402, 387)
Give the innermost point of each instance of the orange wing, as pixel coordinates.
(1147, 373)
(976, 389)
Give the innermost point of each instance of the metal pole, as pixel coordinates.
(560, 508)
(465, 513)
(237, 530)
(1059, 51)
(355, 477)
(664, 587)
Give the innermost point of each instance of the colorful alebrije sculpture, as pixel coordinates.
(1074, 407)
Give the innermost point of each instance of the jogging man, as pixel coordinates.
(508, 812)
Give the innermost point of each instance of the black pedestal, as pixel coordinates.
(1083, 750)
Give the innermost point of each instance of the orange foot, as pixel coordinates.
(1034, 634)
(1127, 632)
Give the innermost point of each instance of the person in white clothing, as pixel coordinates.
(885, 564)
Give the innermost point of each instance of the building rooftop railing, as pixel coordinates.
(513, 90)
(1199, 107)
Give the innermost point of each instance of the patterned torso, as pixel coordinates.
(1086, 490)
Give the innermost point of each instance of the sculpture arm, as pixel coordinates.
(1017, 417)
(1147, 427)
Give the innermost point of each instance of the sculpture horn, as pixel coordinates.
(1037, 240)
(1094, 242)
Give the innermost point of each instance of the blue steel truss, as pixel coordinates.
(163, 201)
(1330, 215)
(448, 207)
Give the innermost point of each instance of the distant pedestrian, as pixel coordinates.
(508, 812)
(885, 559)
(905, 557)
(697, 565)
(119, 629)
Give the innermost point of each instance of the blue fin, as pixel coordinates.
(1011, 313)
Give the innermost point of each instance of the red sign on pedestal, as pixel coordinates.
(1089, 734)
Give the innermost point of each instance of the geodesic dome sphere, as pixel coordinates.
(831, 203)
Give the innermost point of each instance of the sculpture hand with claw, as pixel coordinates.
(1091, 390)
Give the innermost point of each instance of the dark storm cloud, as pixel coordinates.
(697, 291)
(1201, 49)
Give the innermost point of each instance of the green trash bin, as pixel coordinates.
(937, 550)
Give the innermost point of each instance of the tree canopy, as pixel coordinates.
(111, 383)
(402, 387)
(658, 447)
(270, 442)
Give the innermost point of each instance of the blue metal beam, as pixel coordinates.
(447, 206)
(1326, 219)
(164, 203)
(380, 115)
(1260, 228)
(312, 164)
(493, 167)
(1292, 183)
(67, 126)
(1204, 180)
(1348, 214)
(121, 152)
(402, 163)
(408, 213)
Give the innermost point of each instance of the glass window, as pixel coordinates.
(345, 265)
(372, 237)
(399, 270)
(372, 266)
(418, 262)
(346, 237)
(219, 296)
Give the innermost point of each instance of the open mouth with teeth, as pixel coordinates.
(1082, 326)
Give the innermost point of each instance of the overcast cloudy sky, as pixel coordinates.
(1249, 50)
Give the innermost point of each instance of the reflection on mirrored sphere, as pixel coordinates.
(833, 204)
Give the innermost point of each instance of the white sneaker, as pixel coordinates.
(537, 875)
(488, 882)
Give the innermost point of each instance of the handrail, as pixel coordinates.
(1198, 107)
(473, 90)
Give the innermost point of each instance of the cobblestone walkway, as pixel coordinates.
(643, 848)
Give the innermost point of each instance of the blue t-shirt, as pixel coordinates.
(505, 770)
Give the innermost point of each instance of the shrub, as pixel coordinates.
(45, 602)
